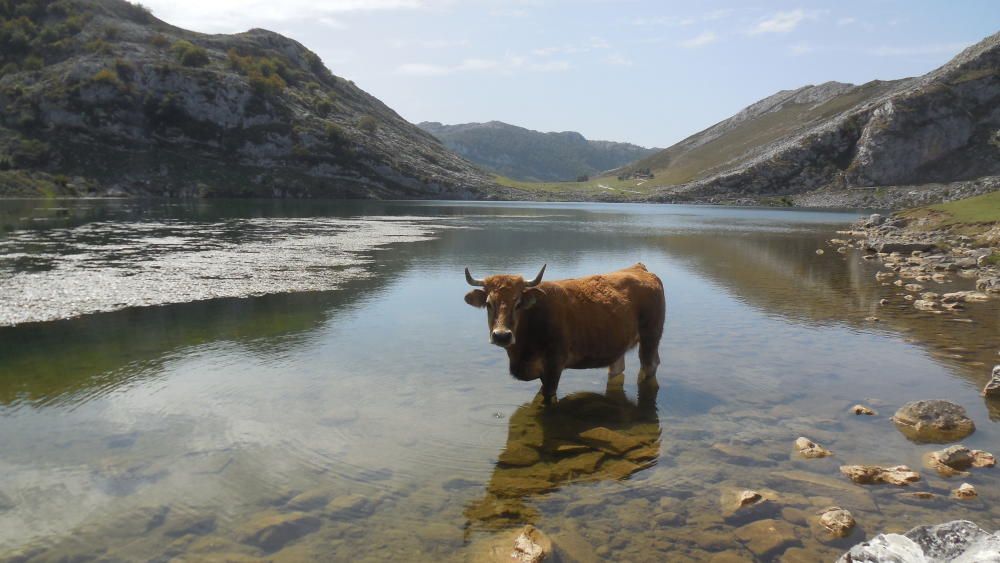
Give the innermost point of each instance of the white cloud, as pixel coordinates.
(801, 49)
(781, 22)
(669, 21)
(506, 65)
(699, 40)
(240, 15)
(617, 60)
(846, 21)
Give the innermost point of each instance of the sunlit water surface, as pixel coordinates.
(368, 419)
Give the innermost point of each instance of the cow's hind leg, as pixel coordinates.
(650, 332)
(616, 367)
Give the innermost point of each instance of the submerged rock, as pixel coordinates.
(992, 388)
(960, 541)
(965, 491)
(610, 441)
(748, 497)
(934, 421)
(964, 297)
(958, 458)
(808, 448)
(863, 410)
(741, 506)
(900, 475)
(531, 546)
(767, 538)
(837, 521)
(272, 531)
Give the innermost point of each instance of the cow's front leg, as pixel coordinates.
(616, 367)
(550, 383)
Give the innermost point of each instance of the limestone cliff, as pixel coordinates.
(99, 95)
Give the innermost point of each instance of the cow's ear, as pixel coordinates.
(531, 296)
(476, 298)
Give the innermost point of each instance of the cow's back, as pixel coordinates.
(600, 315)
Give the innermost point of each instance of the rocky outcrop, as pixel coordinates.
(960, 541)
(103, 90)
(936, 128)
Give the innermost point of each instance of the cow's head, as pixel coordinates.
(505, 298)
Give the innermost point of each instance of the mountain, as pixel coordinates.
(940, 127)
(523, 154)
(99, 95)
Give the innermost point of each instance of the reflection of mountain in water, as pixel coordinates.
(584, 437)
(782, 274)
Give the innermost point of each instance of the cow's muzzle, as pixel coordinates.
(502, 337)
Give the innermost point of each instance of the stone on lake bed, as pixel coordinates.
(924, 305)
(310, 500)
(819, 251)
(900, 475)
(837, 521)
(933, 421)
(863, 410)
(809, 449)
(347, 505)
(748, 497)
(610, 441)
(517, 455)
(739, 506)
(272, 531)
(531, 546)
(767, 538)
(582, 464)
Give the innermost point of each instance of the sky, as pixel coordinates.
(646, 72)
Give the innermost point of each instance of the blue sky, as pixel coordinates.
(648, 72)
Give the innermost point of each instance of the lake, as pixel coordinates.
(295, 381)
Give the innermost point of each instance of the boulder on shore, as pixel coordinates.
(960, 541)
(992, 388)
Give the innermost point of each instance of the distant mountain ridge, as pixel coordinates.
(100, 96)
(943, 126)
(528, 155)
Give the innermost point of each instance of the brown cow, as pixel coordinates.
(577, 323)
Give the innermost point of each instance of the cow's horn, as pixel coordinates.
(538, 278)
(473, 281)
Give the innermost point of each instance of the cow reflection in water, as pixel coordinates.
(585, 437)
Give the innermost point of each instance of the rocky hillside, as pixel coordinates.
(99, 95)
(941, 127)
(523, 154)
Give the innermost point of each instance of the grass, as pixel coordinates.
(592, 187)
(979, 210)
(972, 216)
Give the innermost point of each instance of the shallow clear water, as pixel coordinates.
(369, 419)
